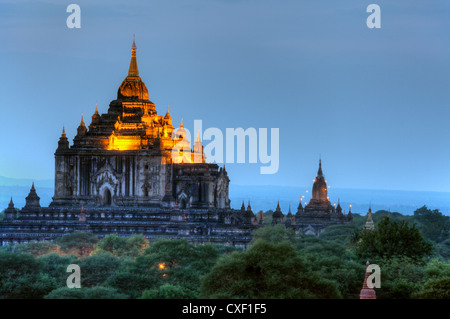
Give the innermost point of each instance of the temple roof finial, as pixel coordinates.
(167, 116)
(82, 120)
(319, 172)
(63, 134)
(133, 70)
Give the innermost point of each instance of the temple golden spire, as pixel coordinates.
(133, 71)
(63, 132)
(167, 116)
(82, 120)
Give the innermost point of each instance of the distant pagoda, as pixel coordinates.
(318, 213)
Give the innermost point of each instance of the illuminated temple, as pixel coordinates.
(131, 156)
(131, 172)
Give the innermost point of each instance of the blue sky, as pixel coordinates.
(373, 103)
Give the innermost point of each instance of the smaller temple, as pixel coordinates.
(317, 214)
(369, 222)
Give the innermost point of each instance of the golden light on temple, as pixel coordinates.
(124, 143)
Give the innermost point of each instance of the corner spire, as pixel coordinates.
(133, 70)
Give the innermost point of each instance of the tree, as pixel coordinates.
(135, 275)
(86, 293)
(340, 233)
(122, 246)
(77, 243)
(401, 278)
(38, 248)
(183, 262)
(443, 249)
(335, 261)
(434, 225)
(95, 270)
(167, 291)
(393, 239)
(21, 277)
(275, 234)
(266, 270)
(437, 281)
(55, 266)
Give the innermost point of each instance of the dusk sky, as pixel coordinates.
(373, 103)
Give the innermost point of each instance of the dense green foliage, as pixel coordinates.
(393, 239)
(412, 252)
(122, 246)
(433, 225)
(266, 270)
(21, 276)
(86, 293)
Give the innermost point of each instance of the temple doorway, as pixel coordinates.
(107, 197)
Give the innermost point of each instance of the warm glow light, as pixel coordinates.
(124, 143)
(162, 266)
